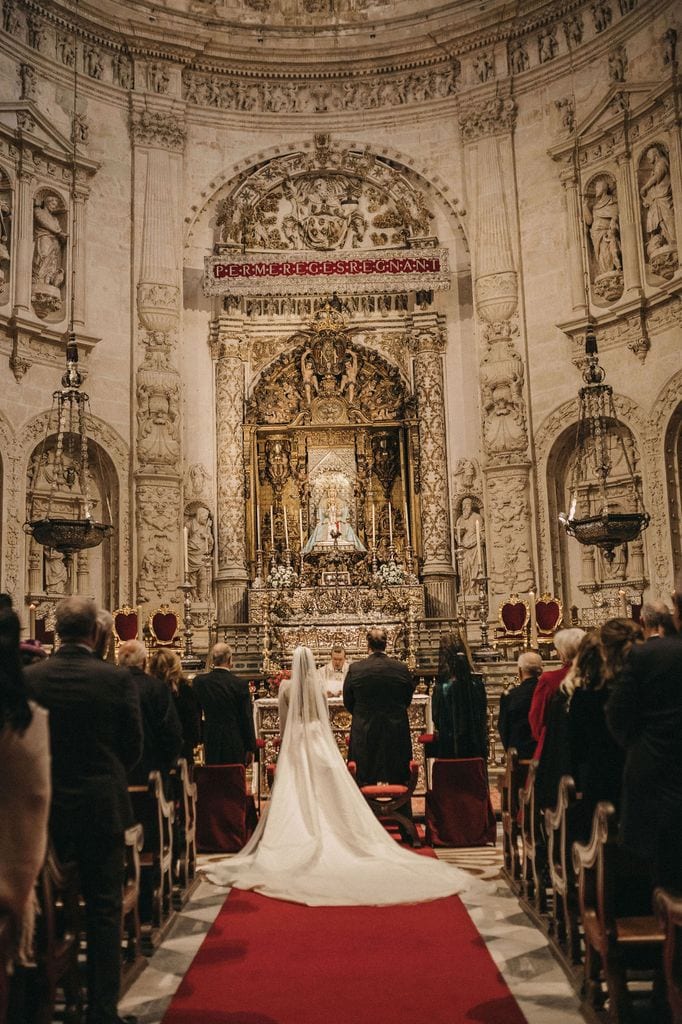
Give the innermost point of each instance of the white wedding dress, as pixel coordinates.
(318, 843)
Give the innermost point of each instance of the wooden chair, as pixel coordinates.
(514, 779)
(668, 910)
(392, 802)
(130, 914)
(533, 883)
(164, 625)
(513, 616)
(226, 811)
(564, 924)
(185, 829)
(548, 616)
(156, 815)
(56, 944)
(615, 942)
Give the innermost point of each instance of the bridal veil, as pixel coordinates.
(318, 842)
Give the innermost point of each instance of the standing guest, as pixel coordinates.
(225, 700)
(105, 630)
(25, 789)
(566, 643)
(656, 620)
(515, 704)
(459, 705)
(334, 672)
(161, 729)
(378, 691)
(166, 666)
(96, 738)
(644, 713)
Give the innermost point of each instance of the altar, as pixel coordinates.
(267, 729)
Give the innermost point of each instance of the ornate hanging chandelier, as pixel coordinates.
(595, 516)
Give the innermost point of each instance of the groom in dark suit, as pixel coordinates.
(96, 738)
(229, 734)
(378, 691)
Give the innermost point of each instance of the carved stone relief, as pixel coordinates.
(5, 237)
(155, 128)
(27, 78)
(158, 401)
(658, 211)
(510, 566)
(602, 223)
(491, 117)
(158, 515)
(502, 401)
(200, 544)
(229, 406)
(50, 233)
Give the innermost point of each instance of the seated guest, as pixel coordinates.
(25, 789)
(224, 698)
(459, 703)
(334, 672)
(161, 730)
(166, 666)
(656, 620)
(515, 704)
(566, 643)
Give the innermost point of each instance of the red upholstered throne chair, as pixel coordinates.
(513, 615)
(126, 624)
(226, 812)
(548, 614)
(391, 802)
(458, 810)
(163, 624)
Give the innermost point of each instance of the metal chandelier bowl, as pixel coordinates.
(67, 535)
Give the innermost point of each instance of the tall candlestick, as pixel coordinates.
(407, 524)
(374, 527)
(533, 620)
(286, 528)
(185, 551)
(32, 621)
(390, 524)
(272, 531)
(300, 526)
(479, 553)
(258, 527)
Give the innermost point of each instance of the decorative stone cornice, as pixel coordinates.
(158, 130)
(492, 117)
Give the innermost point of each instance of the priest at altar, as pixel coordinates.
(334, 672)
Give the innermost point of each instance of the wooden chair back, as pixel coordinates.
(57, 941)
(668, 910)
(156, 815)
(533, 882)
(514, 779)
(130, 912)
(564, 923)
(185, 845)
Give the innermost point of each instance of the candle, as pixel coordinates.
(390, 524)
(623, 604)
(300, 526)
(258, 526)
(407, 523)
(272, 530)
(32, 621)
(185, 552)
(479, 553)
(286, 528)
(533, 621)
(374, 527)
(139, 623)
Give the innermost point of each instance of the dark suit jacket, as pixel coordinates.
(378, 691)
(513, 722)
(644, 713)
(161, 730)
(95, 736)
(229, 733)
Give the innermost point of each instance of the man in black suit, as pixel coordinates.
(96, 738)
(224, 698)
(644, 713)
(378, 691)
(512, 721)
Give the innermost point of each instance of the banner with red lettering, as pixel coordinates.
(287, 273)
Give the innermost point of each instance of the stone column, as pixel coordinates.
(486, 132)
(575, 245)
(630, 229)
(78, 228)
(23, 226)
(158, 138)
(428, 345)
(229, 351)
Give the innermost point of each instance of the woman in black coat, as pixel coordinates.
(459, 703)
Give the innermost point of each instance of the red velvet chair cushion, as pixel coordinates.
(547, 615)
(125, 624)
(385, 791)
(165, 626)
(458, 808)
(226, 813)
(514, 615)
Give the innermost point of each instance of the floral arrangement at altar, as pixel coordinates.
(282, 577)
(274, 682)
(390, 574)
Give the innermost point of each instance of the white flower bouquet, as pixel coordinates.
(391, 574)
(282, 577)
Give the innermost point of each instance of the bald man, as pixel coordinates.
(513, 724)
(224, 698)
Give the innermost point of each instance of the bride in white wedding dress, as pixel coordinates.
(318, 843)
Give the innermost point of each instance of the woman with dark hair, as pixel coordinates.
(459, 704)
(167, 667)
(25, 789)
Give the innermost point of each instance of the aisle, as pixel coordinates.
(518, 950)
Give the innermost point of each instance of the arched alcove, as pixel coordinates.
(673, 467)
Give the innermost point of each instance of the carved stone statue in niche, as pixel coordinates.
(197, 479)
(49, 239)
(199, 549)
(277, 464)
(5, 238)
(56, 575)
(657, 200)
(600, 210)
(469, 542)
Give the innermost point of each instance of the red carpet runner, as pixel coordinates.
(269, 962)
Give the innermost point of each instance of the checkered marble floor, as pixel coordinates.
(518, 948)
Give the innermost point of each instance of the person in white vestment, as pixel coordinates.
(334, 672)
(318, 843)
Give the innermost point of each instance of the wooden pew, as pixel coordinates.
(511, 782)
(156, 815)
(130, 915)
(564, 924)
(57, 943)
(533, 880)
(614, 942)
(184, 831)
(668, 910)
